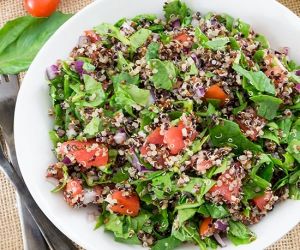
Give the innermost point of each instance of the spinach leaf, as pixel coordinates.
(229, 133)
(229, 21)
(143, 17)
(54, 138)
(218, 43)
(294, 149)
(22, 38)
(294, 191)
(244, 28)
(176, 9)
(93, 127)
(267, 105)
(259, 56)
(152, 51)
(92, 96)
(106, 29)
(123, 64)
(139, 38)
(295, 131)
(185, 214)
(234, 44)
(169, 243)
(270, 136)
(164, 74)
(239, 234)
(263, 42)
(216, 211)
(285, 127)
(258, 79)
(125, 78)
(200, 36)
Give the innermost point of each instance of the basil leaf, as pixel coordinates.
(22, 38)
(229, 133)
(267, 105)
(258, 79)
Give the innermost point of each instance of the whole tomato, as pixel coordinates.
(41, 8)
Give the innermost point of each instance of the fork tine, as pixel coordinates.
(13, 79)
(2, 79)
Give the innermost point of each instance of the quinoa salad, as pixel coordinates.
(177, 129)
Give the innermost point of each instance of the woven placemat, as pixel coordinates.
(10, 229)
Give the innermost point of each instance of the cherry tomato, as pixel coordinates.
(263, 200)
(174, 139)
(155, 137)
(126, 205)
(41, 8)
(205, 227)
(216, 92)
(92, 35)
(72, 191)
(88, 154)
(183, 37)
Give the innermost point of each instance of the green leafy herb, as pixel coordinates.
(125, 78)
(239, 234)
(264, 43)
(139, 38)
(164, 74)
(258, 79)
(93, 127)
(229, 133)
(106, 29)
(168, 243)
(218, 43)
(267, 105)
(152, 51)
(176, 9)
(64, 182)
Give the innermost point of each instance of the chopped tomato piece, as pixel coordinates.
(228, 185)
(174, 140)
(144, 150)
(216, 92)
(183, 37)
(126, 205)
(92, 36)
(88, 154)
(72, 191)
(263, 200)
(203, 165)
(205, 228)
(155, 137)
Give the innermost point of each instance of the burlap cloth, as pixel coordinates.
(10, 229)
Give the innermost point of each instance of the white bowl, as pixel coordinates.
(32, 123)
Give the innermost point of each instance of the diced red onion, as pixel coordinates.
(221, 225)
(136, 163)
(175, 24)
(219, 240)
(297, 87)
(89, 196)
(83, 40)
(79, 67)
(297, 73)
(284, 50)
(200, 92)
(195, 22)
(196, 60)
(66, 160)
(120, 137)
(52, 72)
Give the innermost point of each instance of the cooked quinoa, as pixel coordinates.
(182, 129)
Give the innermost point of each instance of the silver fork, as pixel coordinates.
(9, 86)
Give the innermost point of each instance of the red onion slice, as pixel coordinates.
(297, 87)
(52, 72)
(219, 240)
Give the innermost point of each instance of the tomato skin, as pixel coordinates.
(205, 227)
(155, 137)
(263, 200)
(92, 36)
(216, 92)
(41, 8)
(73, 189)
(183, 37)
(174, 139)
(83, 153)
(126, 205)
